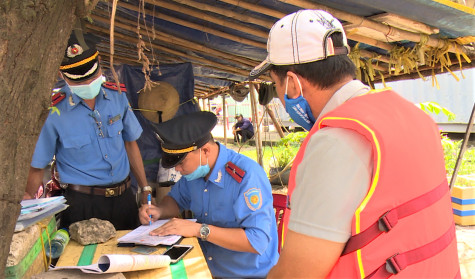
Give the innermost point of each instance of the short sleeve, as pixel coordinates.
(132, 129)
(45, 146)
(254, 210)
(331, 182)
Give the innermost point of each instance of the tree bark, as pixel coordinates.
(33, 36)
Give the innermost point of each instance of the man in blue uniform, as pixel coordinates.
(91, 131)
(228, 193)
(242, 128)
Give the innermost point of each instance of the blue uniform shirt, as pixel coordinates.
(222, 201)
(88, 145)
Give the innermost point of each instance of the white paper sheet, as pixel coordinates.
(141, 235)
(36, 207)
(122, 263)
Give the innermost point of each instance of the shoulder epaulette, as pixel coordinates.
(235, 171)
(113, 86)
(57, 97)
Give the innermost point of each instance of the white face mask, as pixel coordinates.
(87, 91)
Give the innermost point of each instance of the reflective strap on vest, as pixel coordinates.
(400, 261)
(388, 220)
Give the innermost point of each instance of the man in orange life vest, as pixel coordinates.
(363, 204)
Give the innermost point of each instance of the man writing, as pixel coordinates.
(362, 203)
(242, 129)
(92, 132)
(228, 193)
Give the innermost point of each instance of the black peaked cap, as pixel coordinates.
(80, 60)
(183, 134)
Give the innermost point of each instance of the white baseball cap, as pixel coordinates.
(301, 37)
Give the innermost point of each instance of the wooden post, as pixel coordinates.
(209, 104)
(255, 119)
(463, 147)
(274, 120)
(224, 120)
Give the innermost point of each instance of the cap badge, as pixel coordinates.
(253, 198)
(74, 51)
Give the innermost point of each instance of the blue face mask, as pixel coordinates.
(299, 109)
(200, 172)
(87, 91)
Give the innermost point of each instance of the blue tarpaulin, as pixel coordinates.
(179, 76)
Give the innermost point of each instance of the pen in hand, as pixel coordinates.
(149, 202)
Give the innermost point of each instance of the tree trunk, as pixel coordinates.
(33, 36)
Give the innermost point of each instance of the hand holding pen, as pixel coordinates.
(149, 202)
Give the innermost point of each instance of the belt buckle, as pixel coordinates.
(110, 192)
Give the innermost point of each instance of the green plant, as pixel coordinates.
(433, 107)
(286, 149)
(451, 152)
(293, 139)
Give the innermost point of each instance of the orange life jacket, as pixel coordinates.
(404, 225)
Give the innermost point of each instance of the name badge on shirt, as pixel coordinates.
(112, 120)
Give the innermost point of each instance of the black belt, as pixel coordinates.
(112, 190)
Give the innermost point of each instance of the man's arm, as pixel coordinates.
(35, 178)
(306, 257)
(230, 238)
(166, 209)
(136, 165)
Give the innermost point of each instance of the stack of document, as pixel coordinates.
(141, 235)
(35, 210)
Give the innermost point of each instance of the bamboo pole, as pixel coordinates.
(226, 12)
(206, 62)
(225, 112)
(200, 27)
(269, 24)
(274, 120)
(277, 14)
(255, 120)
(396, 34)
(207, 17)
(370, 41)
(254, 7)
(164, 37)
(249, 62)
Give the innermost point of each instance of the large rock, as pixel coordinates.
(92, 231)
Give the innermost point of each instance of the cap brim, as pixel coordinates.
(171, 160)
(259, 69)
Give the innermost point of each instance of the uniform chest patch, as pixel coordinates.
(112, 120)
(253, 198)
